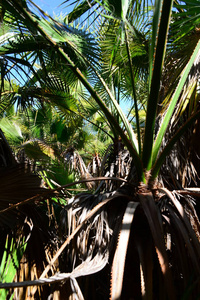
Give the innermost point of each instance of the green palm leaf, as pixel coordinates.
(173, 102)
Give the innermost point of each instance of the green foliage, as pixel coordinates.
(10, 262)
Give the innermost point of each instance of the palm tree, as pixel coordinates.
(152, 218)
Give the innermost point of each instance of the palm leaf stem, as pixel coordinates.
(175, 97)
(155, 26)
(76, 230)
(124, 119)
(118, 95)
(118, 265)
(157, 165)
(155, 84)
(79, 11)
(54, 192)
(142, 106)
(134, 93)
(186, 191)
(114, 124)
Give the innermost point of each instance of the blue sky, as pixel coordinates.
(51, 6)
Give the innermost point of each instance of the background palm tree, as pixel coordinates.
(129, 51)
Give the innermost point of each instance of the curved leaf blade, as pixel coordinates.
(175, 97)
(120, 253)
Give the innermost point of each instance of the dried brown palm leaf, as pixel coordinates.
(118, 265)
(182, 165)
(181, 230)
(17, 185)
(95, 166)
(186, 212)
(20, 190)
(6, 156)
(155, 223)
(86, 260)
(181, 168)
(39, 244)
(158, 224)
(166, 225)
(75, 162)
(40, 249)
(115, 163)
